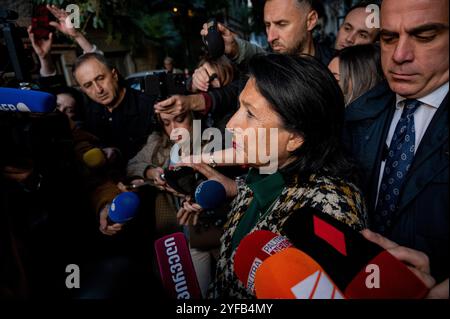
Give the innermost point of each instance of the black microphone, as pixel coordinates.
(214, 41)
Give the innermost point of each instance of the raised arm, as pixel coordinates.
(65, 26)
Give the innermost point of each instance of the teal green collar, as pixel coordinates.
(266, 188)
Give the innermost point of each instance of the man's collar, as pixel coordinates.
(434, 99)
(119, 102)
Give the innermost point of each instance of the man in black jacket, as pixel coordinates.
(398, 131)
(119, 116)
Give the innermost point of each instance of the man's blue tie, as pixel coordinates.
(398, 162)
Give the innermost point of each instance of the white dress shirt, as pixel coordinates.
(422, 118)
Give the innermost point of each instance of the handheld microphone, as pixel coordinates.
(94, 158)
(15, 100)
(253, 250)
(292, 274)
(350, 259)
(123, 207)
(210, 194)
(214, 41)
(176, 268)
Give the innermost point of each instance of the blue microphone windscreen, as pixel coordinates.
(15, 100)
(210, 194)
(123, 207)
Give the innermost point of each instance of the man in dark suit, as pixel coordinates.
(398, 131)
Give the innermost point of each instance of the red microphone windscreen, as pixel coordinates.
(253, 250)
(175, 265)
(292, 274)
(385, 277)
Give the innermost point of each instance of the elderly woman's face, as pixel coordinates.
(258, 133)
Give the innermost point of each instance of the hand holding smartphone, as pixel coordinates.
(40, 22)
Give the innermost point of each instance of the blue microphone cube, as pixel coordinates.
(15, 100)
(123, 207)
(210, 194)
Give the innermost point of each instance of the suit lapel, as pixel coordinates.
(379, 142)
(423, 168)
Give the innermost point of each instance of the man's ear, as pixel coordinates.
(294, 142)
(74, 77)
(115, 74)
(311, 20)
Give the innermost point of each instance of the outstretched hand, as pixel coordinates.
(212, 174)
(63, 23)
(415, 260)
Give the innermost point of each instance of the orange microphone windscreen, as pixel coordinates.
(253, 250)
(292, 274)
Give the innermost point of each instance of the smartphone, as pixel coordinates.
(214, 42)
(40, 22)
(182, 179)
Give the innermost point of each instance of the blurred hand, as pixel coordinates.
(188, 213)
(231, 46)
(212, 174)
(106, 229)
(42, 47)
(439, 291)
(154, 174)
(126, 188)
(175, 105)
(16, 174)
(415, 260)
(63, 23)
(169, 189)
(200, 80)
